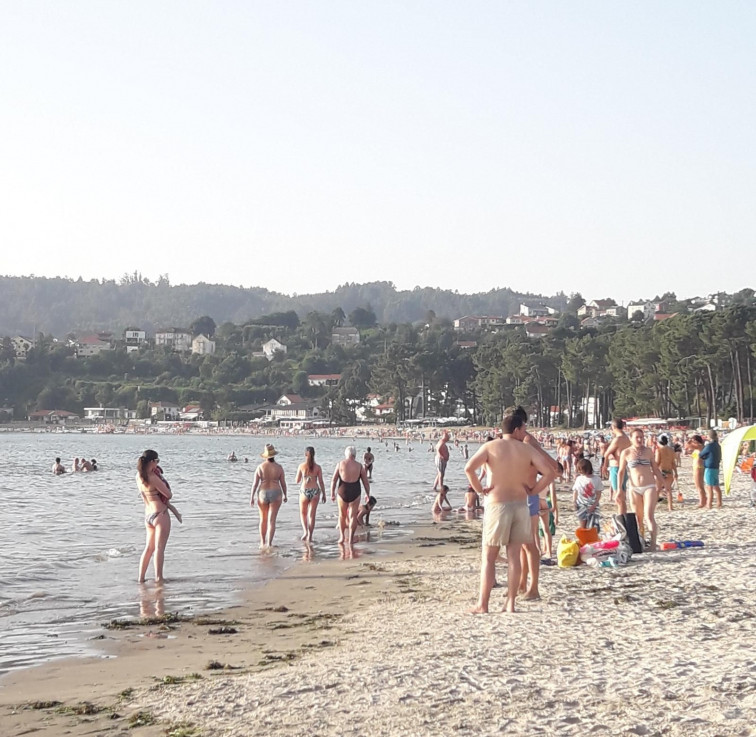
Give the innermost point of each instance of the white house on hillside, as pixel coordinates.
(272, 347)
(203, 346)
(22, 345)
(91, 345)
(134, 339)
(345, 336)
(164, 410)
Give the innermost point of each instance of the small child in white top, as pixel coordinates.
(586, 495)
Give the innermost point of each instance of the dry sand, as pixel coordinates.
(384, 646)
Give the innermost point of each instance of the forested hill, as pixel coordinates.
(58, 306)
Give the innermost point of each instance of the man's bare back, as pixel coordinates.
(510, 468)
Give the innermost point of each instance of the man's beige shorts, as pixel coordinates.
(506, 523)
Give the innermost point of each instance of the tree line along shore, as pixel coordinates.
(698, 367)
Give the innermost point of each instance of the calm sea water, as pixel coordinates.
(71, 543)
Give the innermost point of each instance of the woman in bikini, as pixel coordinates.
(644, 482)
(311, 492)
(157, 521)
(270, 481)
(347, 476)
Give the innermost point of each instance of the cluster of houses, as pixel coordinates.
(538, 320)
(175, 339)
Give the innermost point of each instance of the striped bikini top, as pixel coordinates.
(635, 462)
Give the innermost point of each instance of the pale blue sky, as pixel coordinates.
(602, 147)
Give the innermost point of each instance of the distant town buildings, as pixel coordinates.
(164, 411)
(175, 339)
(345, 336)
(91, 345)
(203, 346)
(291, 409)
(323, 379)
(134, 338)
(270, 348)
(53, 416)
(98, 414)
(470, 323)
(22, 345)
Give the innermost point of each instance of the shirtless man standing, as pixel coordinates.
(620, 442)
(530, 556)
(442, 458)
(510, 465)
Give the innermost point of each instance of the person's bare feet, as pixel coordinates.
(509, 606)
(531, 596)
(304, 536)
(479, 609)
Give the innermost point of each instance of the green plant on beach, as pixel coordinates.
(141, 719)
(183, 729)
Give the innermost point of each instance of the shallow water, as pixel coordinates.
(71, 543)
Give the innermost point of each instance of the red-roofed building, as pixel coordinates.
(323, 379)
(53, 416)
(91, 345)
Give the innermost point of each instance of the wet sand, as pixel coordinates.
(384, 646)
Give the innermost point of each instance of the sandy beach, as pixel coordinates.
(384, 646)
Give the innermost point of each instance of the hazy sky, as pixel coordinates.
(602, 147)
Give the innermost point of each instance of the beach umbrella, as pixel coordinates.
(731, 451)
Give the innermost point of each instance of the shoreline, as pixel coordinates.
(270, 625)
(384, 645)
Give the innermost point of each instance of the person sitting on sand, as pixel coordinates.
(472, 500)
(363, 516)
(58, 468)
(311, 492)
(271, 483)
(347, 477)
(586, 495)
(441, 502)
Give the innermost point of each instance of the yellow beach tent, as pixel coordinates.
(731, 451)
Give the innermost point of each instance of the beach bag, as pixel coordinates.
(568, 553)
(627, 526)
(586, 535)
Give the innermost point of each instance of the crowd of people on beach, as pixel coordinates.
(269, 492)
(512, 483)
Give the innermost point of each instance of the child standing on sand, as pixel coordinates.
(586, 495)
